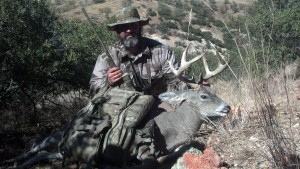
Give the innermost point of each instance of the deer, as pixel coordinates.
(169, 131)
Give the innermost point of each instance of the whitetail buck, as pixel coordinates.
(157, 136)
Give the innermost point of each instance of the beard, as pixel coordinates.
(129, 43)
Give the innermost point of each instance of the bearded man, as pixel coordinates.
(146, 63)
(144, 59)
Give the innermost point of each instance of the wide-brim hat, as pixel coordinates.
(128, 15)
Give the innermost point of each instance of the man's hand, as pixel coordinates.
(114, 74)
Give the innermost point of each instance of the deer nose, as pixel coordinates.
(227, 108)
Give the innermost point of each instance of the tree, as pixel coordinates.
(26, 30)
(278, 24)
(273, 27)
(42, 55)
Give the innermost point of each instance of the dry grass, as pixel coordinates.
(262, 130)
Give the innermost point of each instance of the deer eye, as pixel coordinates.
(203, 96)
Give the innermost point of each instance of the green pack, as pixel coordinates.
(81, 137)
(116, 100)
(113, 111)
(127, 109)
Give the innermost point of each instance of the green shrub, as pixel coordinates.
(165, 37)
(151, 13)
(199, 21)
(126, 3)
(272, 27)
(206, 35)
(223, 9)
(184, 27)
(164, 11)
(218, 23)
(196, 32)
(98, 1)
(195, 38)
(213, 5)
(106, 10)
(235, 7)
(217, 42)
(165, 26)
(179, 15)
(229, 43)
(42, 55)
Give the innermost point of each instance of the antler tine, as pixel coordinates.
(184, 64)
(218, 70)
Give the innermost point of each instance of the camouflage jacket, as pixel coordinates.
(152, 61)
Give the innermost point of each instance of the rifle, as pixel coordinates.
(111, 63)
(127, 82)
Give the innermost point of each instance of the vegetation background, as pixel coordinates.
(48, 51)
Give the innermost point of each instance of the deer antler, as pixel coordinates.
(218, 70)
(184, 64)
(208, 73)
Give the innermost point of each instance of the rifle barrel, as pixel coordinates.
(110, 61)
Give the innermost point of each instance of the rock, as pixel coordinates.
(195, 159)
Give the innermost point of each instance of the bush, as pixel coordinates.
(217, 42)
(98, 1)
(223, 9)
(195, 38)
(27, 49)
(151, 13)
(235, 7)
(165, 37)
(184, 27)
(229, 43)
(213, 5)
(165, 26)
(162, 28)
(42, 55)
(151, 29)
(179, 15)
(126, 3)
(276, 25)
(106, 10)
(196, 31)
(199, 21)
(164, 11)
(206, 35)
(218, 23)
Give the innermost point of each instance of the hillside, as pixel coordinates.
(169, 19)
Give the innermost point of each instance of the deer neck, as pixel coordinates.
(180, 125)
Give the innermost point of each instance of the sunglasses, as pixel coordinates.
(125, 27)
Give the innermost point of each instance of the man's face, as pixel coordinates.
(129, 34)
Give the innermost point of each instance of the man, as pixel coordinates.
(146, 62)
(144, 59)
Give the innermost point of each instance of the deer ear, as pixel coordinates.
(171, 98)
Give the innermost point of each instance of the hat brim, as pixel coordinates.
(143, 22)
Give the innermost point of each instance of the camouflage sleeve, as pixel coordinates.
(99, 75)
